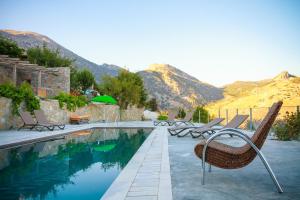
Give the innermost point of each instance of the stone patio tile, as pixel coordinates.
(142, 198)
(142, 193)
(139, 189)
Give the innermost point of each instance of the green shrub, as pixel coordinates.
(162, 117)
(9, 47)
(152, 105)
(46, 57)
(71, 102)
(181, 113)
(127, 88)
(203, 115)
(83, 79)
(288, 128)
(24, 93)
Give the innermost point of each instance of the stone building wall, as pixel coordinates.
(56, 82)
(51, 81)
(30, 77)
(97, 113)
(5, 74)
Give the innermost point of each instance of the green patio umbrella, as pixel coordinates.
(104, 147)
(104, 99)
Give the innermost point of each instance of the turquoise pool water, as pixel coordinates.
(82, 165)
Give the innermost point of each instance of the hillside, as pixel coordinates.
(174, 88)
(284, 86)
(30, 39)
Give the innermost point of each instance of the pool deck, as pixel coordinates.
(165, 167)
(250, 182)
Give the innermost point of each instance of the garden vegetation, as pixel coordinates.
(10, 48)
(71, 102)
(204, 115)
(45, 57)
(18, 95)
(127, 88)
(289, 127)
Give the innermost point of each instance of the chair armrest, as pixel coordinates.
(241, 135)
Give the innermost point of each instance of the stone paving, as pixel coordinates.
(250, 182)
(147, 175)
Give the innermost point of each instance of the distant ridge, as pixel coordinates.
(246, 94)
(27, 39)
(174, 88)
(283, 76)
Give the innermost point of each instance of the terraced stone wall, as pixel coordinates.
(97, 113)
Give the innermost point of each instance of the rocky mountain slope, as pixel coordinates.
(174, 88)
(30, 39)
(240, 94)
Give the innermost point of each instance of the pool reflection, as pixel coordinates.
(65, 167)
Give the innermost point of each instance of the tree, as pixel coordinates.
(83, 79)
(127, 88)
(203, 115)
(74, 85)
(10, 48)
(181, 113)
(152, 105)
(46, 57)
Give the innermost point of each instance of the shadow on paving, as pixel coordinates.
(250, 182)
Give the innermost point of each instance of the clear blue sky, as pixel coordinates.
(216, 41)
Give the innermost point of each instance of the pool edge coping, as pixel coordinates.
(120, 187)
(64, 132)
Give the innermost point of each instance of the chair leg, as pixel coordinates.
(259, 153)
(196, 136)
(182, 135)
(203, 169)
(61, 127)
(269, 169)
(178, 132)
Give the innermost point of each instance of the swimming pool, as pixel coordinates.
(81, 165)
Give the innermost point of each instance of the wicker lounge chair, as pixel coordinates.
(233, 124)
(42, 119)
(177, 130)
(28, 122)
(186, 121)
(169, 122)
(229, 157)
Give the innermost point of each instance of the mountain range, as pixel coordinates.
(175, 88)
(252, 94)
(26, 40)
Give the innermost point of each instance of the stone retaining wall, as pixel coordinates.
(97, 113)
(132, 114)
